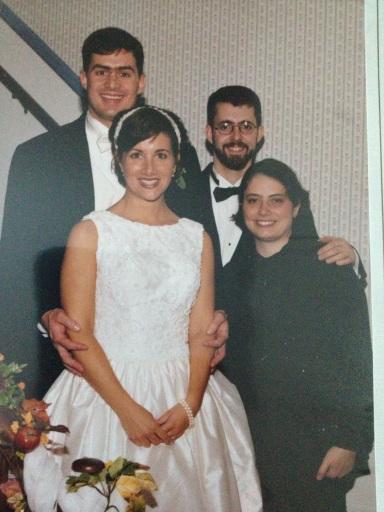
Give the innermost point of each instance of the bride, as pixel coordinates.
(140, 281)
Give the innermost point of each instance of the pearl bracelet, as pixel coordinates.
(188, 411)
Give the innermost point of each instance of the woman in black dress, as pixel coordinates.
(303, 356)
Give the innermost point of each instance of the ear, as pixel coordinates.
(142, 83)
(209, 133)
(260, 133)
(83, 79)
(121, 168)
(296, 210)
(177, 167)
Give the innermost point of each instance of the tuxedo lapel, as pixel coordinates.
(207, 216)
(77, 165)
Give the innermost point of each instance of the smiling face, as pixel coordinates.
(268, 214)
(148, 167)
(112, 83)
(235, 151)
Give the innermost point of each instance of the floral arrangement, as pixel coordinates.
(24, 425)
(130, 479)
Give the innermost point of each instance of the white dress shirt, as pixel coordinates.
(106, 185)
(229, 233)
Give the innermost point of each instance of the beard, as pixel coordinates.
(235, 162)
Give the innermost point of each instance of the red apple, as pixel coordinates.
(26, 439)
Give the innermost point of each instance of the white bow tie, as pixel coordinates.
(103, 143)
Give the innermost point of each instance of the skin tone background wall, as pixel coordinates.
(305, 59)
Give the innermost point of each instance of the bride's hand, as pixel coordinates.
(174, 421)
(142, 428)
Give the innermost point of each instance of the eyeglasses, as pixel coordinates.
(227, 127)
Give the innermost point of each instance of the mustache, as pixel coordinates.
(236, 144)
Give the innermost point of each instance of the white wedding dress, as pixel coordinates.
(147, 280)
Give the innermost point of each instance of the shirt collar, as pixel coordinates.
(220, 181)
(95, 127)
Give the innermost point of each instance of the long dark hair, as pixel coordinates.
(280, 172)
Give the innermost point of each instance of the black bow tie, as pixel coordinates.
(221, 193)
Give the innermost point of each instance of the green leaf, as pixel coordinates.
(116, 467)
(76, 486)
(94, 479)
(129, 468)
(102, 475)
(180, 180)
(82, 478)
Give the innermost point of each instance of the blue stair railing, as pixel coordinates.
(26, 100)
(41, 48)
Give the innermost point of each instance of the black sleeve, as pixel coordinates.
(304, 227)
(347, 382)
(20, 299)
(30, 257)
(19, 240)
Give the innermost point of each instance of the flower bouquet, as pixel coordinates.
(130, 479)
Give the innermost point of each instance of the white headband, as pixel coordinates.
(130, 112)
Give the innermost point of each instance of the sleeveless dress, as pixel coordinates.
(147, 280)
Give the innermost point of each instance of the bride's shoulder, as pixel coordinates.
(83, 235)
(196, 235)
(102, 221)
(191, 225)
(96, 216)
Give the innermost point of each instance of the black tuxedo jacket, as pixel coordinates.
(50, 188)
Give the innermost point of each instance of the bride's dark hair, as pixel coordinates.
(128, 129)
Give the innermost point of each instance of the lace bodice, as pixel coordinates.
(147, 280)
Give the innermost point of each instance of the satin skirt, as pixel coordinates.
(211, 467)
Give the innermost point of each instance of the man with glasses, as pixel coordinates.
(235, 134)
